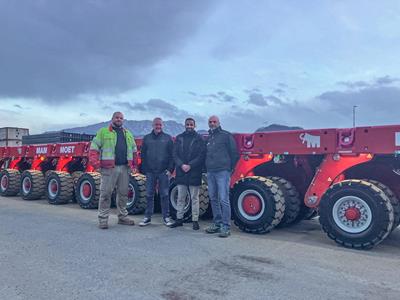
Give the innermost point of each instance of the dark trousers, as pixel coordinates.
(163, 189)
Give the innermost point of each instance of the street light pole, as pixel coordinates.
(354, 116)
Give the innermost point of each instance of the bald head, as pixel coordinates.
(157, 125)
(213, 122)
(117, 119)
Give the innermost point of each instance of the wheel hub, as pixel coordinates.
(26, 185)
(53, 188)
(4, 182)
(131, 195)
(251, 204)
(352, 214)
(86, 190)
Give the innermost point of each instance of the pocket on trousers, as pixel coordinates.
(105, 172)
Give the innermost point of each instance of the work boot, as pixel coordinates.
(126, 221)
(177, 223)
(196, 225)
(224, 232)
(103, 223)
(213, 228)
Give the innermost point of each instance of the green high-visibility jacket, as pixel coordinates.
(103, 145)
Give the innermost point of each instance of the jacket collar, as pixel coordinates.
(216, 130)
(110, 128)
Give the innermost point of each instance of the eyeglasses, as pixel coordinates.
(212, 121)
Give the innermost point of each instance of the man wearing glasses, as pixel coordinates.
(221, 159)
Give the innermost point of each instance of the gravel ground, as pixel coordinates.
(57, 252)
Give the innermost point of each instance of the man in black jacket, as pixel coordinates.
(221, 159)
(157, 165)
(189, 154)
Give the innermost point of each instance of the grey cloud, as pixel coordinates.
(354, 84)
(220, 96)
(129, 106)
(375, 105)
(161, 107)
(83, 114)
(385, 80)
(274, 100)
(18, 106)
(257, 99)
(55, 50)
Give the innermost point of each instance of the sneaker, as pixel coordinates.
(224, 232)
(196, 225)
(146, 221)
(213, 228)
(168, 222)
(103, 223)
(126, 221)
(177, 223)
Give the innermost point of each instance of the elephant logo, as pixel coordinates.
(313, 141)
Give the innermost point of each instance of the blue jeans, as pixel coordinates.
(218, 192)
(163, 190)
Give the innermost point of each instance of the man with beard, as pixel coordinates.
(112, 152)
(189, 154)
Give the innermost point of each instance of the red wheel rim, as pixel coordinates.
(87, 190)
(252, 204)
(54, 187)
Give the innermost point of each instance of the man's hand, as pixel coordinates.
(185, 168)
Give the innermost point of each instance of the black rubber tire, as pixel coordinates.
(292, 200)
(114, 198)
(10, 185)
(205, 204)
(272, 200)
(37, 185)
(138, 205)
(305, 213)
(173, 196)
(75, 177)
(92, 200)
(379, 204)
(393, 200)
(203, 201)
(65, 187)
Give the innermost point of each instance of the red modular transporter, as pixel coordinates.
(350, 176)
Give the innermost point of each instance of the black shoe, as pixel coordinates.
(196, 225)
(178, 222)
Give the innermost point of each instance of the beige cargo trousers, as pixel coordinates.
(188, 193)
(117, 177)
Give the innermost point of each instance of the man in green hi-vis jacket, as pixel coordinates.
(112, 151)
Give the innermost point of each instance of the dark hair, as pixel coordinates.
(190, 119)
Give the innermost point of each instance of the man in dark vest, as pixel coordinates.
(189, 155)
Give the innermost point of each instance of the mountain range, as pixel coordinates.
(140, 128)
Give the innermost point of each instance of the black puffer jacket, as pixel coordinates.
(193, 156)
(222, 153)
(156, 153)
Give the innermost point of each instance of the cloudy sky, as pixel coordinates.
(70, 63)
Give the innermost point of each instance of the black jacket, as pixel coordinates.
(156, 153)
(193, 156)
(222, 153)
